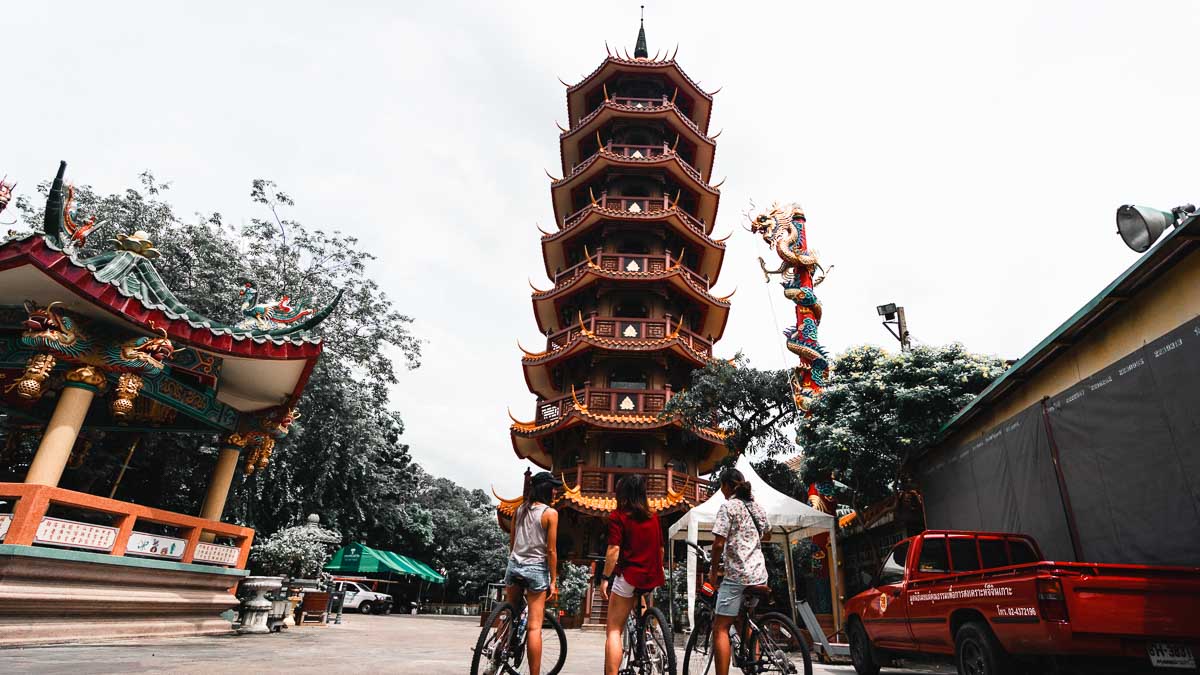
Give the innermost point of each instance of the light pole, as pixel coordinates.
(894, 316)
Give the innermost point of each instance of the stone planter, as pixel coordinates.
(257, 608)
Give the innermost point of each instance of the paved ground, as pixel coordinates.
(424, 645)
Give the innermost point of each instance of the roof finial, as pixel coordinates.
(640, 51)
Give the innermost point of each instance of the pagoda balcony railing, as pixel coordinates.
(644, 151)
(603, 480)
(606, 401)
(135, 530)
(617, 328)
(640, 102)
(630, 262)
(634, 204)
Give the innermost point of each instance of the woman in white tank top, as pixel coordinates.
(533, 558)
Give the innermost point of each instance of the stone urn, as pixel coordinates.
(256, 608)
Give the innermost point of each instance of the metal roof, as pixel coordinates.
(1174, 247)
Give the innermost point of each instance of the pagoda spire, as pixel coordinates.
(640, 50)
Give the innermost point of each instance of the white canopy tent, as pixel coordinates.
(790, 521)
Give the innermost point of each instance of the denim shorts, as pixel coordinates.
(729, 598)
(532, 576)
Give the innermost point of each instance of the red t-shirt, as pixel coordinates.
(641, 543)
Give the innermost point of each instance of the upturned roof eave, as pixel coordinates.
(713, 250)
(706, 147)
(545, 305)
(613, 64)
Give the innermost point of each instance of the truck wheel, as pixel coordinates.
(364, 608)
(976, 651)
(862, 655)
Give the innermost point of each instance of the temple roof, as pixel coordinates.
(262, 367)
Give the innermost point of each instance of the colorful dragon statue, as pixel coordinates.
(782, 228)
(275, 312)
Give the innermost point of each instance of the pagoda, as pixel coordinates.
(632, 312)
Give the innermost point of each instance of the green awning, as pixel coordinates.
(362, 559)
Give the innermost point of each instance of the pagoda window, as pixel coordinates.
(627, 378)
(625, 458)
(677, 465)
(631, 310)
(633, 245)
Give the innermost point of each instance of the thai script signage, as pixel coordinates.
(5, 521)
(59, 532)
(215, 553)
(153, 545)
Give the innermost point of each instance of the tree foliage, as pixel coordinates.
(300, 551)
(572, 586)
(754, 406)
(881, 406)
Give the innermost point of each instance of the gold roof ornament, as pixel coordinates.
(139, 243)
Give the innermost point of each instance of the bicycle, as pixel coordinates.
(773, 643)
(501, 648)
(647, 641)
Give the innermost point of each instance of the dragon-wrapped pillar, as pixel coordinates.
(783, 229)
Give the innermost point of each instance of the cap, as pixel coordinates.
(546, 477)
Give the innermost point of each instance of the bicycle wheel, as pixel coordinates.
(493, 651)
(778, 646)
(554, 644)
(698, 655)
(655, 644)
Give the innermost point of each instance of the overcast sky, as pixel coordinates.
(961, 159)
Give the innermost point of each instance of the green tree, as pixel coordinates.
(468, 541)
(880, 406)
(754, 406)
(299, 551)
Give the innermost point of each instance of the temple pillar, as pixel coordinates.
(55, 449)
(222, 477)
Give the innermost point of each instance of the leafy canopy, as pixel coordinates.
(881, 406)
(754, 406)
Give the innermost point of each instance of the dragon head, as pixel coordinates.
(279, 422)
(45, 324)
(767, 223)
(147, 354)
(6, 189)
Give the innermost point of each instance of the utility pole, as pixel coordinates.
(894, 316)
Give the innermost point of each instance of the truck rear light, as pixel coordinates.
(1051, 600)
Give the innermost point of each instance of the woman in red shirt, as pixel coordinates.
(633, 562)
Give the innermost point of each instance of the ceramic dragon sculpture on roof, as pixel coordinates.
(782, 228)
(129, 268)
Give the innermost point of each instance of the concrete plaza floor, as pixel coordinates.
(424, 645)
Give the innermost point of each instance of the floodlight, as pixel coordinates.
(887, 311)
(1141, 226)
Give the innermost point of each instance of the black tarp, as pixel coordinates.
(1128, 441)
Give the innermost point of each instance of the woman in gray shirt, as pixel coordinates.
(533, 558)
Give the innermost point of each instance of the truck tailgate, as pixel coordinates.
(1133, 601)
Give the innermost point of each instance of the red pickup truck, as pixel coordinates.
(988, 600)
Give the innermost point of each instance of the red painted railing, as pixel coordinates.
(644, 204)
(602, 480)
(608, 401)
(617, 328)
(629, 262)
(635, 102)
(28, 525)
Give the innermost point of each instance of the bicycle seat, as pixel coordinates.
(759, 591)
